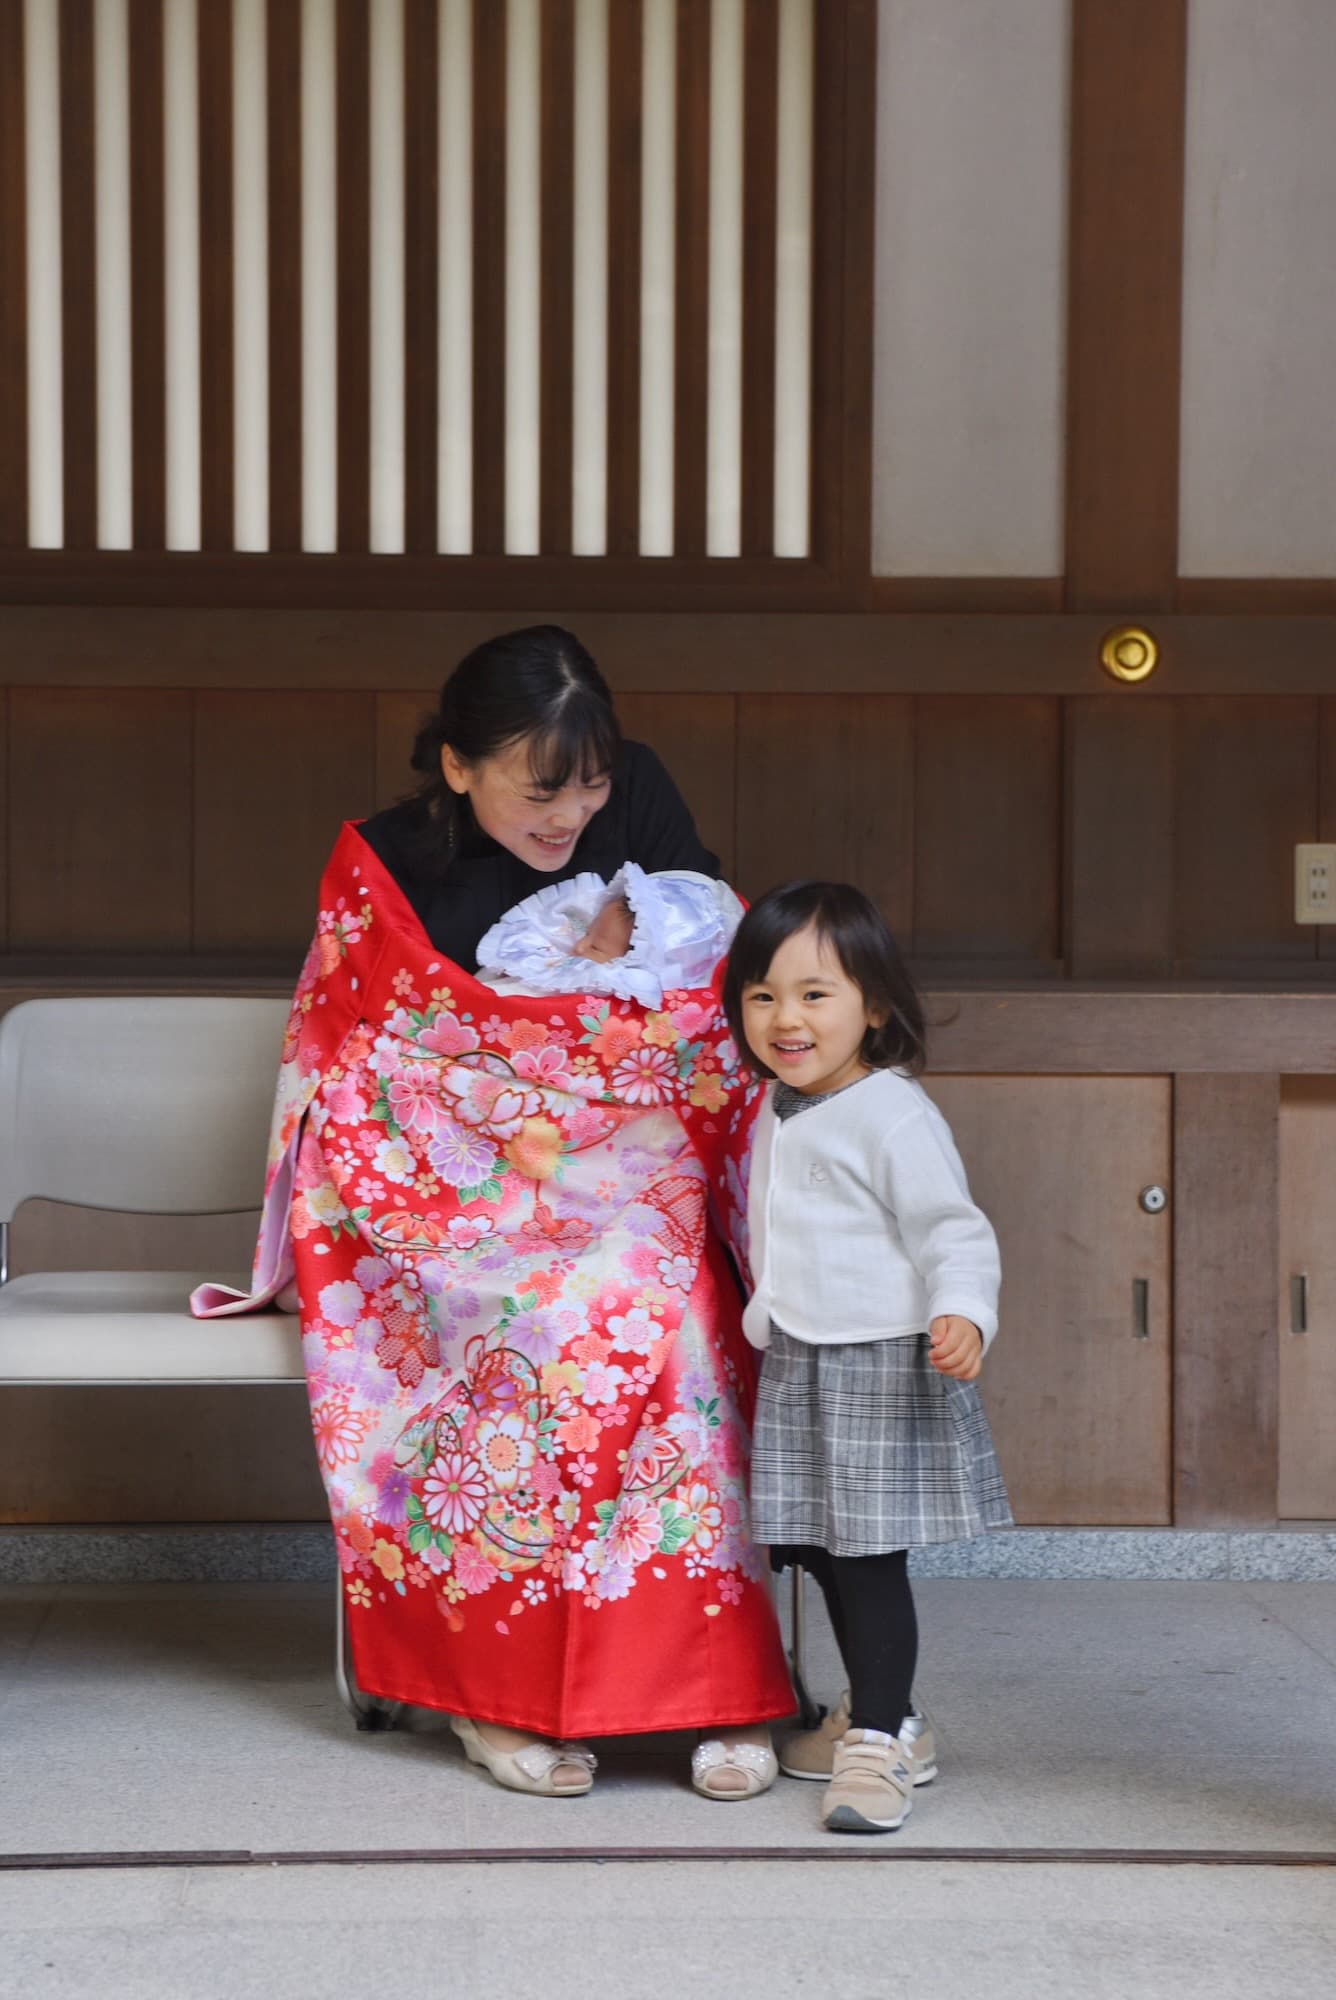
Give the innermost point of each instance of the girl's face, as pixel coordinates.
(539, 826)
(807, 1019)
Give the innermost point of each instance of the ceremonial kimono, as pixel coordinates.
(529, 1387)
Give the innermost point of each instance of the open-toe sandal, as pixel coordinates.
(534, 1768)
(717, 1767)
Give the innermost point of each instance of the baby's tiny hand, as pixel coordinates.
(957, 1347)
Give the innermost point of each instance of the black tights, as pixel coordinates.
(871, 1609)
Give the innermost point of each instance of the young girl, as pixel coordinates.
(875, 1299)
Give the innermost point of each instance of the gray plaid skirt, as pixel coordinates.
(863, 1448)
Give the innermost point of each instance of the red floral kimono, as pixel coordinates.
(529, 1386)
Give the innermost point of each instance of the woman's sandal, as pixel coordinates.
(533, 1769)
(722, 1769)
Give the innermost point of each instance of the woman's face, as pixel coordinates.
(539, 826)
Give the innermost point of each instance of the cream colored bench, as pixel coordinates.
(150, 1106)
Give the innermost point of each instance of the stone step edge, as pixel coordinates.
(303, 1553)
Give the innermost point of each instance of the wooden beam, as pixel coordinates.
(283, 115)
(215, 275)
(557, 286)
(148, 325)
(489, 277)
(421, 311)
(13, 284)
(759, 203)
(1128, 116)
(78, 273)
(691, 350)
(354, 275)
(625, 130)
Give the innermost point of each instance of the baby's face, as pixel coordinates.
(609, 936)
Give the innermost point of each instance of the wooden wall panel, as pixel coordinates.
(1079, 1404)
(826, 788)
(1125, 258)
(1307, 1359)
(1119, 847)
(99, 820)
(13, 284)
(696, 736)
(1225, 1363)
(275, 775)
(1247, 783)
(1326, 933)
(398, 718)
(986, 829)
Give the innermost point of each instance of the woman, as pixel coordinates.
(528, 1383)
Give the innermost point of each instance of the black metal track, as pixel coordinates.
(385, 1857)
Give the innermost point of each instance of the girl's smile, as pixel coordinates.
(806, 1021)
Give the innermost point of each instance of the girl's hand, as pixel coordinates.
(957, 1347)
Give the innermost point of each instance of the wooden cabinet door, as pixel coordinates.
(1078, 1397)
(1308, 1249)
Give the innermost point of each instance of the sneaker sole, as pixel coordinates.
(848, 1819)
(921, 1777)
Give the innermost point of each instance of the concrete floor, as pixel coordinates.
(1177, 1718)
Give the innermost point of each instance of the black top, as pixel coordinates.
(645, 820)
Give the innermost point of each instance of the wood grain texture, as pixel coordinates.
(275, 775)
(625, 128)
(1118, 852)
(1326, 806)
(844, 220)
(1246, 792)
(78, 273)
(489, 277)
(148, 332)
(1307, 1359)
(354, 275)
(826, 788)
(557, 282)
(283, 117)
(1125, 264)
(696, 736)
(398, 719)
(1079, 1405)
(759, 205)
(709, 643)
(986, 828)
(1225, 1252)
(99, 820)
(421, 304)
(215, 275)
(1061, 1030)
(691, 352)
(13, 284)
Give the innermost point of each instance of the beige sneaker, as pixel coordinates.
(811, 1753)
(872, 1790)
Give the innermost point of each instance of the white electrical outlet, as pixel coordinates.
(1314, 883)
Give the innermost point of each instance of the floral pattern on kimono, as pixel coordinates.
(529, 1390)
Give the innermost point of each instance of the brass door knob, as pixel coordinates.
(1129, 654)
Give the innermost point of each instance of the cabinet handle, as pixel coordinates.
(1141, 1308)
(1299, 1302)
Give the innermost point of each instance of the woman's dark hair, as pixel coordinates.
(538, 683)
(854, 928)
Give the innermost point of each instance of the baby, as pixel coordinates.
(632, 937)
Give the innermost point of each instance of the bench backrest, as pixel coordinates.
(156, 1106)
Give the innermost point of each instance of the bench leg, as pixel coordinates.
(368, 1711)
(809, 1712)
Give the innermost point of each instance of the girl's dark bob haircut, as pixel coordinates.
(538, 683)
(854, 928)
